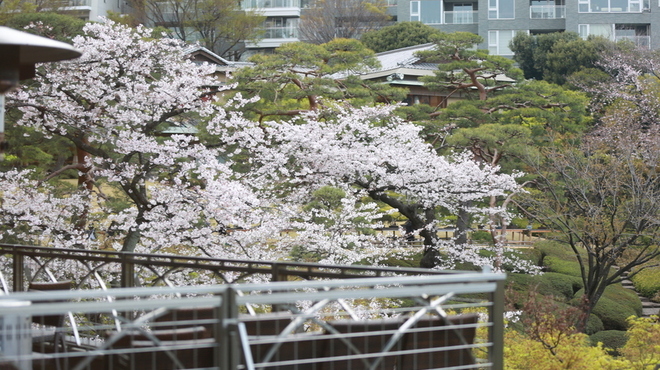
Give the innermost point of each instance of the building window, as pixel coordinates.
(604, 30)
(638, 34)
(460, 13)
(501, 9)
(612, 6)
(498, 42)
(414, 11)
(635, 33)
(426, 11)
(281, 28)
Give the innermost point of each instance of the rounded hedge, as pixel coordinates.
(557, 285)
(555, 249)
(613, 340)
(613, 313)
(624, 296)
(594, 325)
(562, 266)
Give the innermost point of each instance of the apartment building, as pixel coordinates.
(497, 21)
(283, 18)
(281, 25)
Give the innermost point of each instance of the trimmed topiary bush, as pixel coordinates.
(613, 314)
(547, 286)
(562, 266)
(647, 282)
(555, 249)
(594, 325)
(562, 284)
(613, 340)
(625, 297)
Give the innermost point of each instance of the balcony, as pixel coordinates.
(280, 33)
(547, 11)
(266, 4)
(190, 312)
(68, 3)
(461, 17)
(639, 41)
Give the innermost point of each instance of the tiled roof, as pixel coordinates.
(404, 57)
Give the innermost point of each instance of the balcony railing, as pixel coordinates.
(67, 3)
(302, 316)
(280, 33)
(640, 41)
(547, 11)
(461, 17)
(265, 4)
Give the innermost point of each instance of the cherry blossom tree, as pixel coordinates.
(151, 193)
(112, 104)
(176, 194)
(372, 153)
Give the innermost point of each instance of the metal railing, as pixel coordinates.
(639, 41)
(547, 11)
(24, 264)
(65, 3)
(265, 4)
(461, 17)
(280, 32)
(299, 316)
(409, 322)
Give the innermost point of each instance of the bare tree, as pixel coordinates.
(220, 25)
(330, 19)
(603, 199)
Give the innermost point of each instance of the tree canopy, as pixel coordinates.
(553, 57)
(399, 35)
(299, 77)
(60, 27)
(462, 68)
(231, 192)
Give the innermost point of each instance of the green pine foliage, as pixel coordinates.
(399, 35)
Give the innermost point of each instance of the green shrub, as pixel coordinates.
(647, 282)
(555, 249)
(594, 325)
(625, 297)
(531, 254)
(613, 313)
(550, 283)
(481, 236)
(613, 340)
(562, 266)
(565, 285)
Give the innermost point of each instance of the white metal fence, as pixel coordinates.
(451, 321)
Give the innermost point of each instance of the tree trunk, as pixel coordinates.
(462, 224)
(84, 182)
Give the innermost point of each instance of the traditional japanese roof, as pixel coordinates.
(200, 54)
(399, 63)
(403, 67)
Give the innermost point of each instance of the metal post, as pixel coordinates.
(19, 270)
(496, 334)
(15, 336)
(127, 272)
(228, 350)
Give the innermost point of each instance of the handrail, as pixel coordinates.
(424, 297)
(127, 262)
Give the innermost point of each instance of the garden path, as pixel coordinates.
(648, 307)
